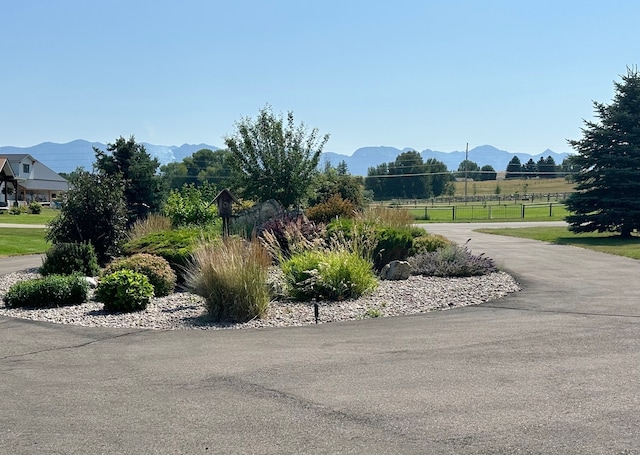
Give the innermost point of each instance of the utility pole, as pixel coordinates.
(466, 173)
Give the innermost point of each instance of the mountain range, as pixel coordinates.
(79, 153)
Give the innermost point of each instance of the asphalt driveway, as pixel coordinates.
(551, 369)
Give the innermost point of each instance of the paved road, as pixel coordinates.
(25, 226)
(553, 369)
(14, 263)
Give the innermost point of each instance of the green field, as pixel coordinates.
(489, 212)
(603, 242)
(512, 186)
(44, 217)
(17, 241)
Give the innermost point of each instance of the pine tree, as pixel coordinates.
(130, 162)
(514, 168)
(607, 197)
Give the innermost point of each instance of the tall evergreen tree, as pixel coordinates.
(547, 167)
(530, 169)
(129, 161)
(514, 169)
(607, 197)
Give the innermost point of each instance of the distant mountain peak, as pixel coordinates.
(79, 153)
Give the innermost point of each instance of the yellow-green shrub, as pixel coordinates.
(155, 268)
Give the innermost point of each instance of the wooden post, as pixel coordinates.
(225, 201)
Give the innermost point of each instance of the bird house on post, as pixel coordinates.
(225, 201)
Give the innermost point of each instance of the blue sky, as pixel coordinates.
(519, 75)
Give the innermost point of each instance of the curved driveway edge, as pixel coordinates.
(552, 369)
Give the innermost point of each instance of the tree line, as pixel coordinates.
(544, 168)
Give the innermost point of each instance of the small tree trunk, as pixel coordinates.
(625, 232)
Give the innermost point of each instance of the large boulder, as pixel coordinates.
(256, 216)
(395, 270)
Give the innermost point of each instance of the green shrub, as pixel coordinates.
(417, 231)
(70, 258)
(333, 275)
(124, 291)
(47, 292)
(16, 210)
(428, 243)
(155, 268)
(334, 207)
(232, 277)
(176, 246)
(393, 243)
(35, 208)
(451, 261)
(190, 206)
(94, 211)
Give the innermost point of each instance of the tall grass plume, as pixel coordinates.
(148, 225)
(232, 277)
(387, 217)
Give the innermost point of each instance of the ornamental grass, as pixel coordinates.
(232, 277)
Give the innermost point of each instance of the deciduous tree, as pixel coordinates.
(488, 173)
(273, 158)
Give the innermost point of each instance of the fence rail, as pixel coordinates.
(490, 211)
(486, 198)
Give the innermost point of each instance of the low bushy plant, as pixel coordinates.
(35, 208)
(428, 243)
(176, 246)
(47, 292)
(155, 268)
(334, 207)
(124, 291)
(392, 243)
(232, 277)
(70, 258)
(451, 261)
(331, 275)
(190, 206)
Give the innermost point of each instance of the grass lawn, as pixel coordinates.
(603, 242)
(490, 212)
(44, 217)
(17, 241)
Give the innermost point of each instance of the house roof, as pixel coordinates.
(43, 178)
(40, 170)
(5, 169)
(48, 185)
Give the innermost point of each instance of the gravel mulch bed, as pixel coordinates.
(183, 310)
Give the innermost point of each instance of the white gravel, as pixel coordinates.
(183, 310)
